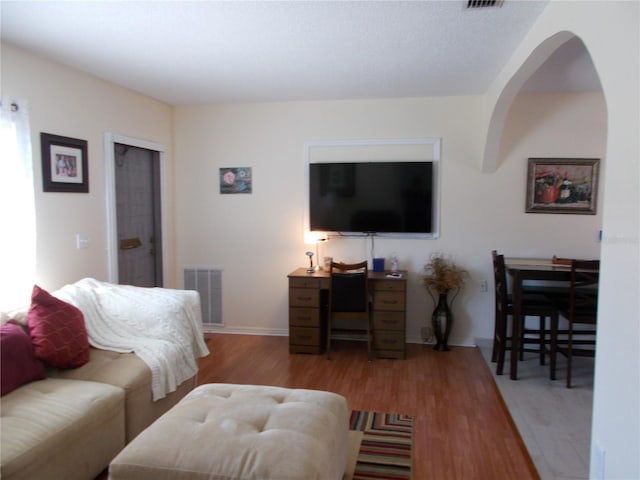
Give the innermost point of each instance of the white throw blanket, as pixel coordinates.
(162, 326)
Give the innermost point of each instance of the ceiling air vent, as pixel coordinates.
(484, 3)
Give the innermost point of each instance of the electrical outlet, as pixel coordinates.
(484, 287)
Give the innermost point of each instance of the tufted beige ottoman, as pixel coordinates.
(222, 431)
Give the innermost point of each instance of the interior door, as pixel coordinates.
(138, 216)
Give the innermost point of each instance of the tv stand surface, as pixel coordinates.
(308, 295)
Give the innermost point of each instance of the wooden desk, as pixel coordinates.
(308, 301)
(522, 270)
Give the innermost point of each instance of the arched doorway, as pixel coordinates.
(544, 92)
(559, 64)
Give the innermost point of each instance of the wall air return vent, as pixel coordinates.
(208, 283)
(475, 4)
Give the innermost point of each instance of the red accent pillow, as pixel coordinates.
(18, 362)
(57, 330)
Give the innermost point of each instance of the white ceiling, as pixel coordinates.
(198, 52)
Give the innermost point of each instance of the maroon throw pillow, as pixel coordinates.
(57, 330)
(18, 362)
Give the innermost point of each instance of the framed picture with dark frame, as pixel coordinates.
(562, 185)
(65, 165)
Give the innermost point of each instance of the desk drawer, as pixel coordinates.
(304, 297)
(388, 340)
(388, 321)
(304, 317)
(301, 282)
(304, 336)
(389, 285)
(385, 300)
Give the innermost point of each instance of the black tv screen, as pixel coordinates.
(371, 197)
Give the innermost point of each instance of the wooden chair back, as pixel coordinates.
(500, 285)
(583, 291)
(349, 300)
(581, 307)
(349, 289)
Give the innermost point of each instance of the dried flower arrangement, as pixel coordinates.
(442, 275)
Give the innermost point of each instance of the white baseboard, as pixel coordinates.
(279, 332)
(272, 332)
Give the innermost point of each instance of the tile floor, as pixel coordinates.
(554, 422)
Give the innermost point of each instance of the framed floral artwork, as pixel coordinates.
(236, 180)
(562, 185)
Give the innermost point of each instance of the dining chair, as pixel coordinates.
(349, 304)
(580, 307)
(533, 305)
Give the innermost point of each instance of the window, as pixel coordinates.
(17, 207)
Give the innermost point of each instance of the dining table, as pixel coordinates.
(548, 276)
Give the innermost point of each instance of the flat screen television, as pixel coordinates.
(372, 197)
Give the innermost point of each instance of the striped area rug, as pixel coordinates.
(385, 449)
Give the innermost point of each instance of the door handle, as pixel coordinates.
(130, 243)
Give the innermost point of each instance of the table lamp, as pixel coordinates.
(311, 268)
(314, 238)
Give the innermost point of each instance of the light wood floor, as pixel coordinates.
(554, 421)
(462, 428)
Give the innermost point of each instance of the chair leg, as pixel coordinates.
(369, 334)
(554, 347)
(541, 336)
(501, 347)
(500, 359)
(522, 343)
(494, 350)
(328, 339)
(569, 354)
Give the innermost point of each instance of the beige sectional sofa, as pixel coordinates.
(128, 372)
(72, 423)
(61, 429)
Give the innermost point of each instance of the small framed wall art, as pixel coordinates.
(65, 166)
(236, 180)
(562, 185)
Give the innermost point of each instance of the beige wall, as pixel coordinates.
(257, 239)
(65, 102)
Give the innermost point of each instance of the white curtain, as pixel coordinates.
(17, 207)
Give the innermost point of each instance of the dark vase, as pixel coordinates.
(441, 320)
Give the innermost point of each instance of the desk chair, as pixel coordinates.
(579, 308)
(532, 305)
(349, 309)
